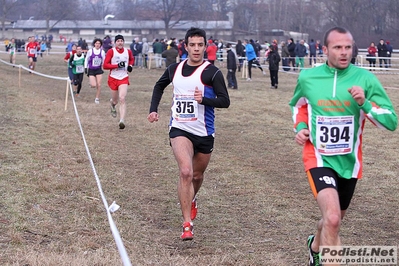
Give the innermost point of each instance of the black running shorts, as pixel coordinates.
(95, 72)
(200, 144)
(324, 177)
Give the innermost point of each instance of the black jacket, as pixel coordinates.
(240, 50)
(291, 49)
(231, 60)
(274, 60)
(382, 50)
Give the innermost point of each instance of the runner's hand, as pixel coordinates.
(302, 136)
(357, 94)
(198, 95)
(129, 68)
(121, 64)
(153, 117)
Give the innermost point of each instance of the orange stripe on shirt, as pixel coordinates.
(301, 115)
(309, 156)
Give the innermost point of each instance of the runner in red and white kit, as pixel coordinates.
(31, 49)
(66, 60)
(119, 61)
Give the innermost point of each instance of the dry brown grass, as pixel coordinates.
(255, 206)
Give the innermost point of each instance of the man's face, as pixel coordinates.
(195, 48)
(79, 50)
(339, 49)
(119, 43)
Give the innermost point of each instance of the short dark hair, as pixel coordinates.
(97, 40)
(337, 29)
(195, 32)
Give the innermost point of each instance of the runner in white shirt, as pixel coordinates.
(198, 87)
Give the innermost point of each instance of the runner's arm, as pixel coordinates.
(299, 108)
(218, 84)
(66, 58)
(88, 54)
(107, 61)
(378, 107)
(160, 86)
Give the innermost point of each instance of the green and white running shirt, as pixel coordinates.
(322, 103)
(78, 66)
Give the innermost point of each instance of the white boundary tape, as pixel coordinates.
(49, 52)
(108, 208)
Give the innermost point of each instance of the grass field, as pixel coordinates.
(255, 206)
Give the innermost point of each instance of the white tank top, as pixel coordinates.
(120, 73)
(187, 114)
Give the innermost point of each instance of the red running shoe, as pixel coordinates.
(194, 209)
(188, 231)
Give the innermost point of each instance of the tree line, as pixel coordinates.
(368, 20)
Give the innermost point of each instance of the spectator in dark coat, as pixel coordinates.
(312, 52)
(300, 53)
(240, 51)
(274, 61)
(231, 67)
(258, 48)
(171, 54)
(291, 50)
(382, 53)
(107, 43)
(285, 54)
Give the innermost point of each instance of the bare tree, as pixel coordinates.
(130, 10)
(172, 11)
(245, 16)
(169, 11)
(7, 6)
(367, 20)
(209, 10)
(54, 11)
(97, 9)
